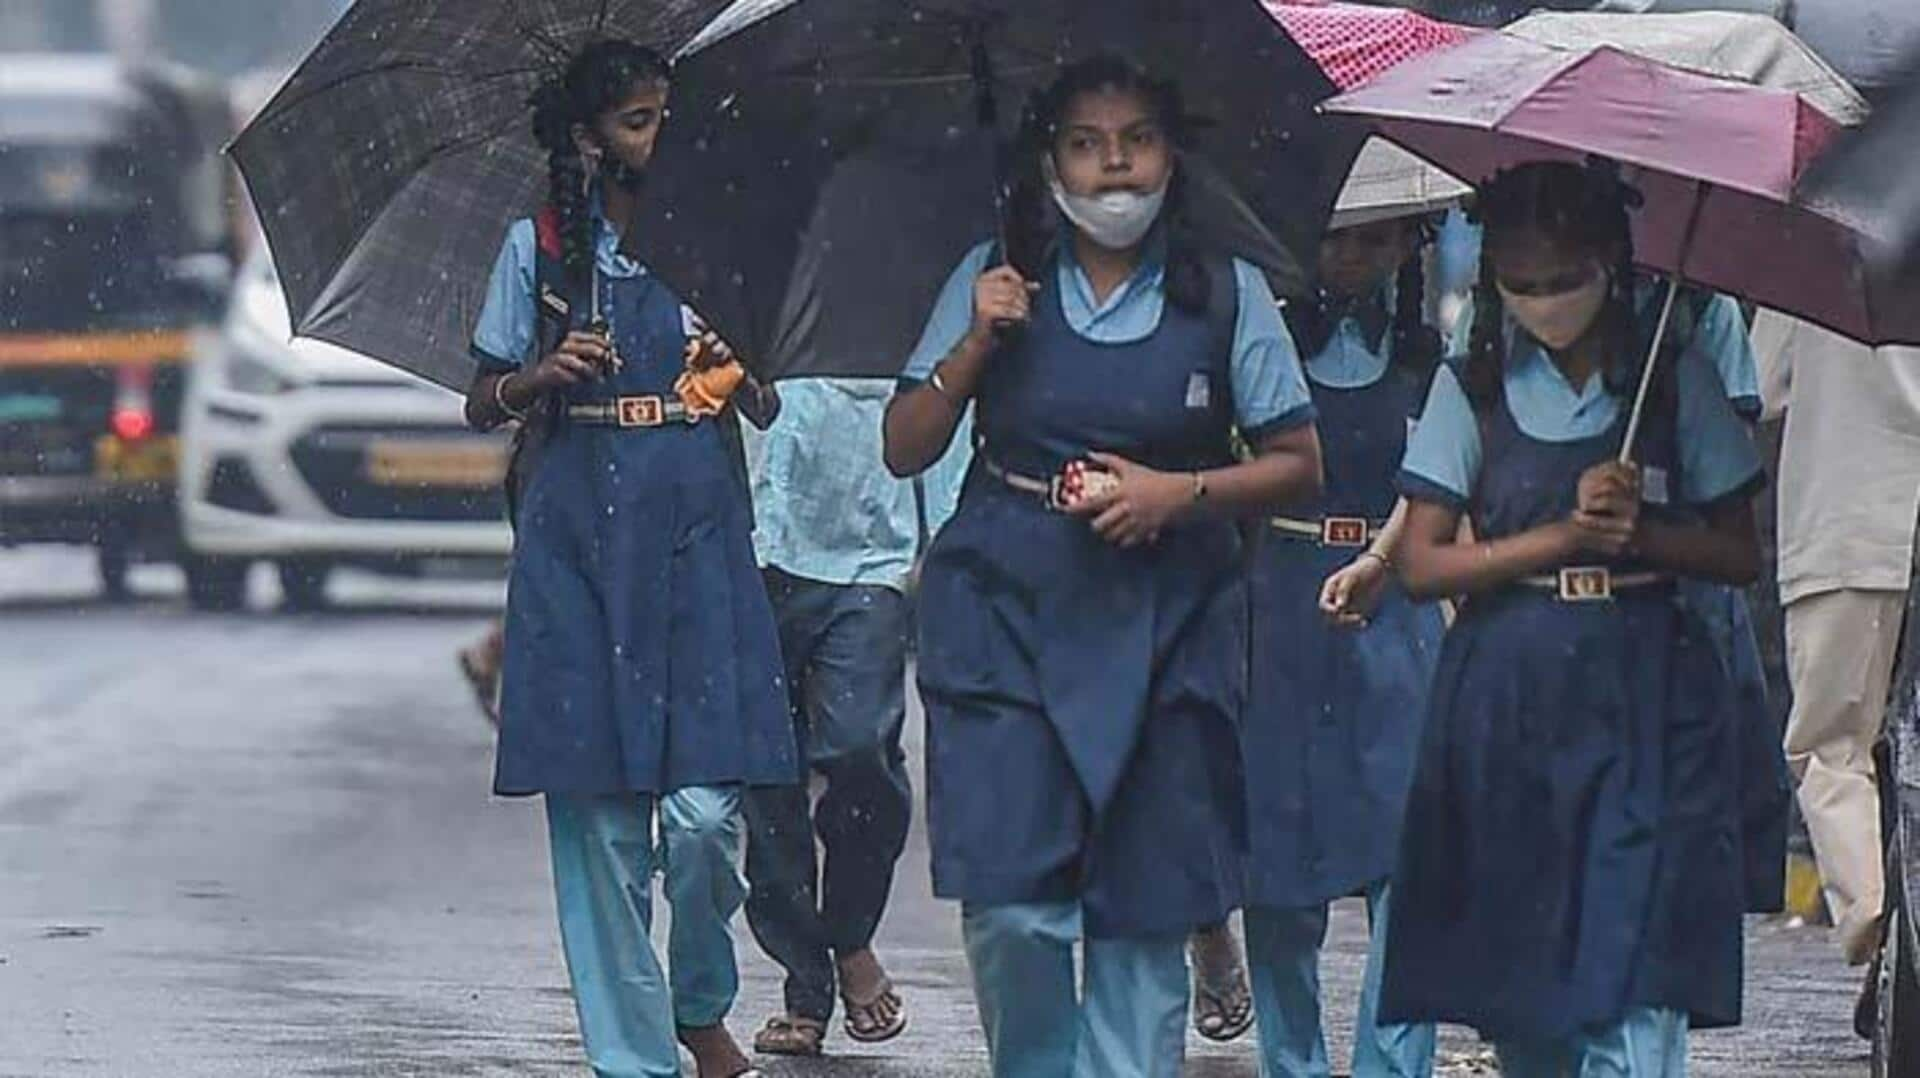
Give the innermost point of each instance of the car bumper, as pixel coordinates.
(84, 508)
(288, 476)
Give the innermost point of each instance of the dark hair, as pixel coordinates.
(1032, 222)
(597, 79)
(1416, 345)
(1582, 208)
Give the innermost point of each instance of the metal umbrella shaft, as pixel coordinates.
(1674, 283)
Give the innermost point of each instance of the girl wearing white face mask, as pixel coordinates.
(1083, 614)
(1570, 879)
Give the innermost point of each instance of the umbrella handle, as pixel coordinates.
(1666, 318)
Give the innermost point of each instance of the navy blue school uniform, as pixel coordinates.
(641, 653)
(1083, 700)
(1571, 850)
(1333, 717)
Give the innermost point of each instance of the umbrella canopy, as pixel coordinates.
(827, 163)
(387, 169)
(1717, 161)
(1869, 181)
(1354, 42)
(1727, 45)
(1388, 182)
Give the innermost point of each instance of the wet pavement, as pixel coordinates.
(263, 845)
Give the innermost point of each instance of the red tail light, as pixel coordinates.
(133, 404)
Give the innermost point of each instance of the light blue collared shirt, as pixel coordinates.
(1347, 362)
(1443, 459)
(825, 507)
(504, 336)
(1269, 388)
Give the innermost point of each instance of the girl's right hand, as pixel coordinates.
(580, 359)
(1000, 296)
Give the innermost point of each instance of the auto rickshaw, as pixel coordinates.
(115, 246)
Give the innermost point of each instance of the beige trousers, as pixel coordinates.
(1841, 648)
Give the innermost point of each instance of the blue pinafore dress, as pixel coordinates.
(641, 653)
(1083, 700)
(1571, 845)
(1334, 715)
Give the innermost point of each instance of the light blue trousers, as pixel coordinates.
(1649, 1042)
(604, 857)
(1128, 1018)
(1283, 953)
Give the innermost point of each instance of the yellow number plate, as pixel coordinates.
(468, 465)
(152, 460)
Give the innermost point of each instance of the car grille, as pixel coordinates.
(339, 464)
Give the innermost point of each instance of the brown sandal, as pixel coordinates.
(790, 1035)
(885, 1015)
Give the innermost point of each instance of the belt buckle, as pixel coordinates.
(1344, 531)
(1586, 584)
(640, 411)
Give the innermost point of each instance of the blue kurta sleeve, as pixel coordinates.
(952, 314)
(1269, 388)
(1443, 449)
(1717, 456)
(503, 338)
(1721, 335)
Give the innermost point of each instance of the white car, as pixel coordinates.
(311, 456)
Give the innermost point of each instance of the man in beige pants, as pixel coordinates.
(1849, 488)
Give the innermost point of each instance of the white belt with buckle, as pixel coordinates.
(1330, 531)
(633, 412)
(1591, 583)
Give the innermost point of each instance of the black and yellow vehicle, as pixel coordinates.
(115, 249)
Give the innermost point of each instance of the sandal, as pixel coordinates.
(790, 1035)
(875, 1020)
(1222, 1002)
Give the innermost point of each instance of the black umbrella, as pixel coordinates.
(387, 169)
(1872, 180)
(828, 161)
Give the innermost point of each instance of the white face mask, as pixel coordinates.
(1117, 220)
(1561, 319)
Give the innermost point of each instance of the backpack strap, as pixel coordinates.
(554, 309)
(1223, 312)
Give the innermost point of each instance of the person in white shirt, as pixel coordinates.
(1849, 490)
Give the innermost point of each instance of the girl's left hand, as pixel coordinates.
(706, 351)
(1141, 503)
(1350, 596)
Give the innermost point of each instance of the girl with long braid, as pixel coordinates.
(1341, 658)
(1570, 878)
(642, 682)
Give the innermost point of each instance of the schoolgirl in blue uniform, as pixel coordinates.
(642, 667)
(1341, 659)
(1570, 880)
(1083, 614)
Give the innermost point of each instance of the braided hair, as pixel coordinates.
(1416, 346)
(1032, 225)
(596, 80)
(1583, 209)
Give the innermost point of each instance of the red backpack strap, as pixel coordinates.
(546, 229)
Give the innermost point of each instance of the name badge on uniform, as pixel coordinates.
(1654, 487)
(1199, 390)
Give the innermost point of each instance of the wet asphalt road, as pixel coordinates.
(263, 845)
